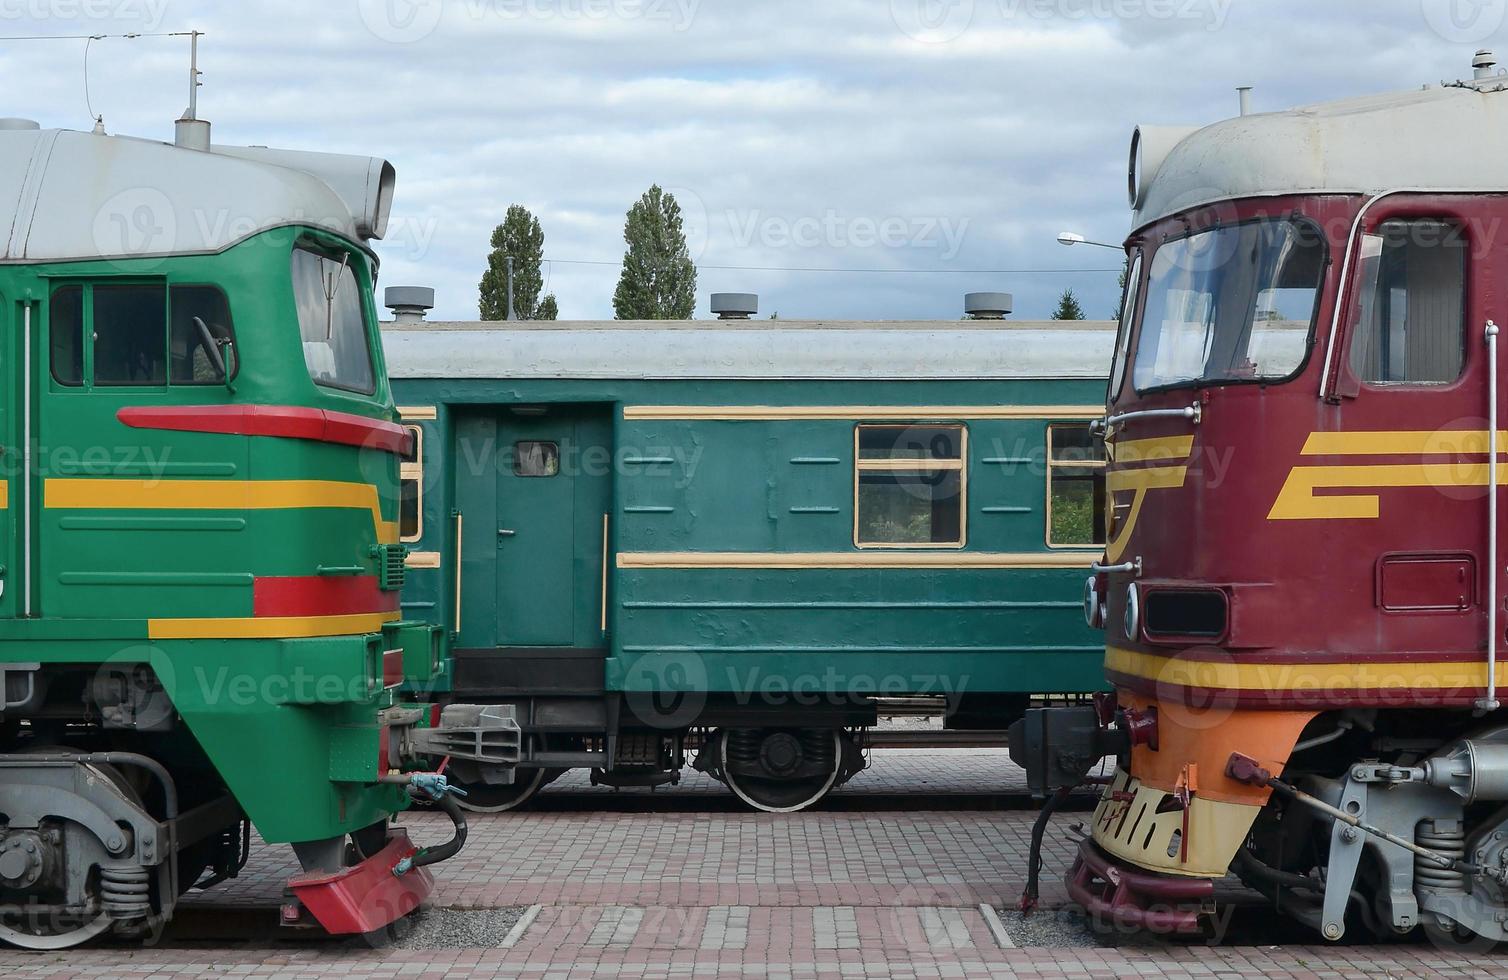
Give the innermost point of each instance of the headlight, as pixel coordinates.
(1094, 606)
(1133, 612)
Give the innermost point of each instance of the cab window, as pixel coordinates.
(200, 338)
(1411, 325)
(138, 334)
(65, 335)
(129, 335)
(332, 321)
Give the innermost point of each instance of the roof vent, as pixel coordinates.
(408, 303)
(12, 123)
(735, 306)
(1483, 63)
(987, 306)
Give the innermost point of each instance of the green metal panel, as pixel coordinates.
(771, 487)
(265, 711)
(533, 531)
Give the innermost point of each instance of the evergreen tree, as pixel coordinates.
(521, 237)
(1068, 307)
(659, 278)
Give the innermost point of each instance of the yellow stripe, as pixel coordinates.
(267, 627)
(866, 413)
(418, 413)
(1298, 502)
(845, 559)
(1166, 449)
(4, 494)
(113, 494)
(1420, 443)
(1309, 678)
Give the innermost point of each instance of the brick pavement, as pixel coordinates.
(820, 894)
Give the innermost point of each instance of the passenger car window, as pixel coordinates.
(411, 489)
(909, 486)
(1411, 323)
(1075, 486)
(332, 321)
(536, 459)
(130, 328)
(65, 332)
(191, 362)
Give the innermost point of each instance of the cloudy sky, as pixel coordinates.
(945, 142)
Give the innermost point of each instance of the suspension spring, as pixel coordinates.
(817, 746)
(1452, 844)
(125, 893)
(743, 746)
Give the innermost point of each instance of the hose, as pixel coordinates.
(1034, 856)
(440, 852)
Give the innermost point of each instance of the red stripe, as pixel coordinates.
(286, 421)
(320, 595)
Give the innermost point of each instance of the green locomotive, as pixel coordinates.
(199, 556)
(728, 539)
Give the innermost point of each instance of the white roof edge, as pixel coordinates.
(932, 351)
(1359, 146)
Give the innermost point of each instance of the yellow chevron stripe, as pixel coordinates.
(1167, 449)
(1414, 443)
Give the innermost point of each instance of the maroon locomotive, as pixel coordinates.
(1302, 592)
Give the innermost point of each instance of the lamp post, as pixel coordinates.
(1074, 238)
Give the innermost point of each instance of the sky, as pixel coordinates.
(844, 159)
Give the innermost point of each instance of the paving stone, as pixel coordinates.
(808, 896)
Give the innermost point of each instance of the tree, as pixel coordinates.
(659, 278)
(1068, 307)
(521, 237)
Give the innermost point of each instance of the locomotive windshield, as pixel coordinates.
(332, 321)
(1235, 303)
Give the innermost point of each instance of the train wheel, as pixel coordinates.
(781, 770)
(501, 797)
(54, 930)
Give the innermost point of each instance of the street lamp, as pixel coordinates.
(1073, 238)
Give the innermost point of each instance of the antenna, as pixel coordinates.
(193, 107)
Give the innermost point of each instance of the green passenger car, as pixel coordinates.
(729, 538)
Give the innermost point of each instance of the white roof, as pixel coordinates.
(69, 195)
(756, 349)
(1442, 138)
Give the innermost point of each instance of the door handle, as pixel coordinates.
(504, 532)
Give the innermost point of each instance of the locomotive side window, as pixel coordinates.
(1235, 303)
(1411, 327)
(65, 331)
(909, 486)
(411, 489)
(332, 321)
(1075, 486)
(192, 362)
(130, 330)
